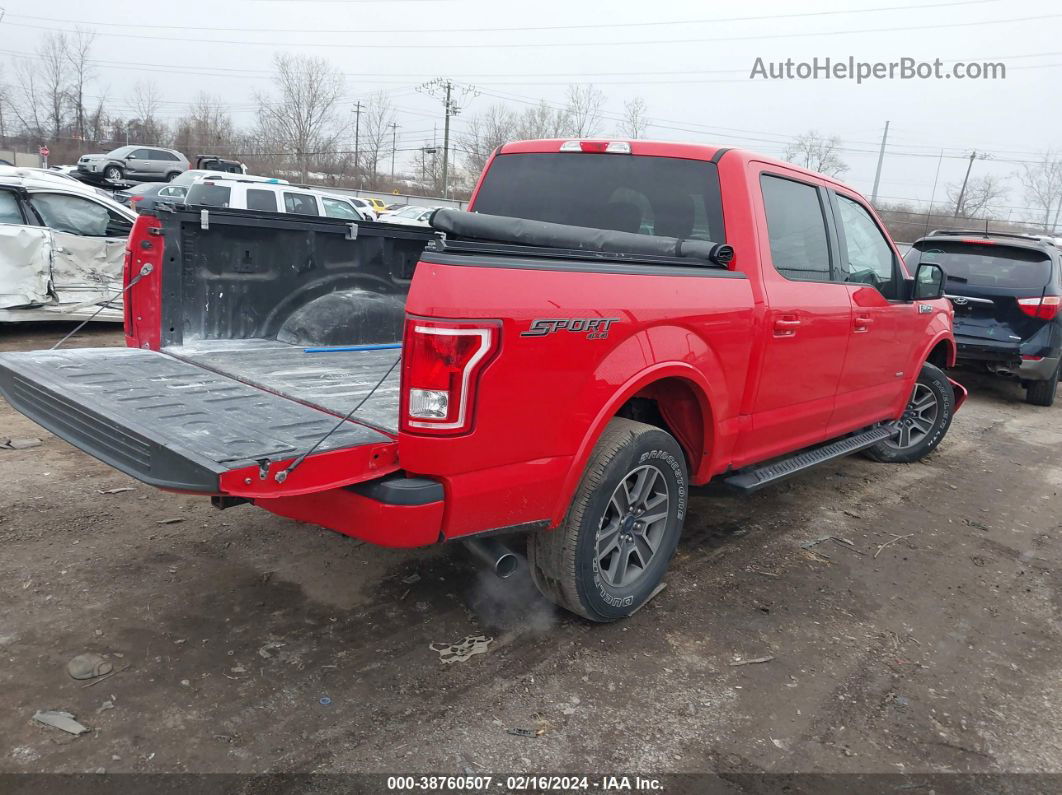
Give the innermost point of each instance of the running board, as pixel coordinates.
(750, 480)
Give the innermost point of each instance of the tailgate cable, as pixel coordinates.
(282, 475)
(103, 304)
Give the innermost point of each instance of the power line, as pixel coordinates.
(594, 43)
(521, 29)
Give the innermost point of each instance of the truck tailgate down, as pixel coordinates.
(179, 426)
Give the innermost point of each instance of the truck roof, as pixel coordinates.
(707, 152)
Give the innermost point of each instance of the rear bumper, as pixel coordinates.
(1038, 369)
(1007, 358)
(394, 511)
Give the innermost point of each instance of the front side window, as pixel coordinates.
(300, 204)
(796, 228)
(336, 208)
(79, 216)
(140, 154)
(9, 209)
(868, 257)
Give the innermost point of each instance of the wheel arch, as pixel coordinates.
(686, 408)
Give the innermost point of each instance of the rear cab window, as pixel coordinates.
(984, 266)
(643, 194)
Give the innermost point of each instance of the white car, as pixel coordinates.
(243, 194)
(62, 248)
(410, 216)
(367, 211)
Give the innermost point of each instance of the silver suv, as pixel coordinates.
(138, 163)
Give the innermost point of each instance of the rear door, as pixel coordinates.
(808, 321)
(874, 382)
(88, 247)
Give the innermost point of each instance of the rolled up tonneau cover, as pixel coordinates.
(521, 231)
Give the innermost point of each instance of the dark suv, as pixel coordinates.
(1006, 292)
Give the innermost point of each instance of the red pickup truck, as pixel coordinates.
(613, 322)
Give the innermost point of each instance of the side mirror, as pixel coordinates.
(130, 157)
(928, 282)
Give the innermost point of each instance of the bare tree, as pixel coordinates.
(77, 54)
(146, 101)
(486, 132)
(634, 123)
(205, 126)
(376, 133)
(29, 105)
(542, 121)
(1042, 182)
(816, 152)
(583, 110)
(54, 70)
(300, 118)
(980, 196)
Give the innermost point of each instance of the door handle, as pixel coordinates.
(862, 323)
(786, 325)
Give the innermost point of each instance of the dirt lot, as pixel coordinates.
(245, 642)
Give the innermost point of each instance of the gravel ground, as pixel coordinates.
(923, 635)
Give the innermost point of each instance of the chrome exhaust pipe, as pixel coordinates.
(501, 560)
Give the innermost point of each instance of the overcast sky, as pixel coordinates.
(689, 60)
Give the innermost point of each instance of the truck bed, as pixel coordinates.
(333, 381)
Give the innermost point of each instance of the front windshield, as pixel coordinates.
(121, 151)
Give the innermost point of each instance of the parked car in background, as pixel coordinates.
(145, 195)
(218, 163)
(367, 211)
(61, 248)
(378, 206)
(269, 196)
(1006, 290)
(146, 164)
(411, 215)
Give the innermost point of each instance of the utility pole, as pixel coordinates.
(394, 148)
(357, 139)
(933, 195)
(444, 89)
(962, 190)
(881, 158)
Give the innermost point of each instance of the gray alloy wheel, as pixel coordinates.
(634, 524)
(112, 173)
(918, 419)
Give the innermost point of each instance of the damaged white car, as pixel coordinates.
(62, 246)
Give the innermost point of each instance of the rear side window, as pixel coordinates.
(9, 209)
(300, 204)
(662, 196)
(336, 208)
(161, 154)
(977, 265)
(796, 228)
(209, 195)
(264, 200)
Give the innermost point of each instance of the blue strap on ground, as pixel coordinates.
(383, 346)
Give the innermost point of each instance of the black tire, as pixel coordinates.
(918, 432)
(112, 173)
(567, 564)
(172, 176)
(1042, 393)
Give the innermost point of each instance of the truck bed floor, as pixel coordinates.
(334, 381)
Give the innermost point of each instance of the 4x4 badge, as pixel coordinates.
(924, 309)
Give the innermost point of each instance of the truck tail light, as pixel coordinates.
(1045, 308)
(441, 364)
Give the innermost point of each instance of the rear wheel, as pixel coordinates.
(924, 423)
(1042, 393)
(172, 176)
(112, 173)
(610, 553)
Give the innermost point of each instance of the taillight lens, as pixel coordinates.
(1045, 308)
(441, 364)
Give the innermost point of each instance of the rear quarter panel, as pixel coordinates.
(542, 400)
